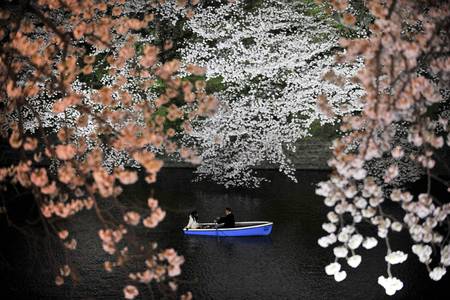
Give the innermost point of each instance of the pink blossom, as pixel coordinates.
(152, 203)
(146, 276)
(174, 270)
(105, 235)
(108, 266)
(63, 234)
(65, 152)
(127, 177)
(59, 280)
(49, 189)
(72, 245)
(39, 177)
(132, 218)
(150, 222)
(109, 247)
(130, 292)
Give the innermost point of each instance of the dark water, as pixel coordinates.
(286, 265)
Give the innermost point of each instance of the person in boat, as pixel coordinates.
(226, 221)
(193, 220)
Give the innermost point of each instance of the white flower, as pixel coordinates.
(375, 201)
(397, 226)
(332, 217)
(425, 199)
(355, 241)
(370, 242)
(391, 173)
(330, 202)
(329, 227)
(422, 211)
(357, 218)
(359, 174)
(332, 238)
(351, 192)
(324, 189)
(340, 209)
(333, 268)
(437, 238)
(361, 203)
(343, 237)
(339, 276)
(349, 229)
(368, 212)
(382, 232)
(437, 273)
(410, 219)
(327, 240)
(427, 237)
(354, 261)
(390, 284)
(422, 251)
(396, 257)
(340, 251)
(445, 255)
(407, 197)
(396, 195)
(323, 242)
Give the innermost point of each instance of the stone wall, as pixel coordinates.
(311, 154)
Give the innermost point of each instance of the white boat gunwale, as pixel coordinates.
(263, 223)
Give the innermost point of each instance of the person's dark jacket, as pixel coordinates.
(227, 221)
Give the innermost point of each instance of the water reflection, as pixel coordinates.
(261, 241)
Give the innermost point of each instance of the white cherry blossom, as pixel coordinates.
(397, 226)
(329, 227)
(437, 273)
(327, 240)
(390, 284)
(354, 261)
(423, 252)
(333, 268)
(396, 257)
(355, 241)
(340, 251)
(370, 242)
(339, 276)
(445, 255)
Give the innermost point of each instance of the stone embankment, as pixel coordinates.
(312, 154)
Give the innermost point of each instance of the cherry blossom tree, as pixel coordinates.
(268, 63)
(405, 77)
(79, 79)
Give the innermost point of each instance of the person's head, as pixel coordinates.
(227, 210)
(194, 214)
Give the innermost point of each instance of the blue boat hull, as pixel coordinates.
(259, 230)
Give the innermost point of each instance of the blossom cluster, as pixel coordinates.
(161, 265)
(78, 89)
(406, 42)
(270, 61)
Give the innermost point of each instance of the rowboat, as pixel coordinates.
(254, 228)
